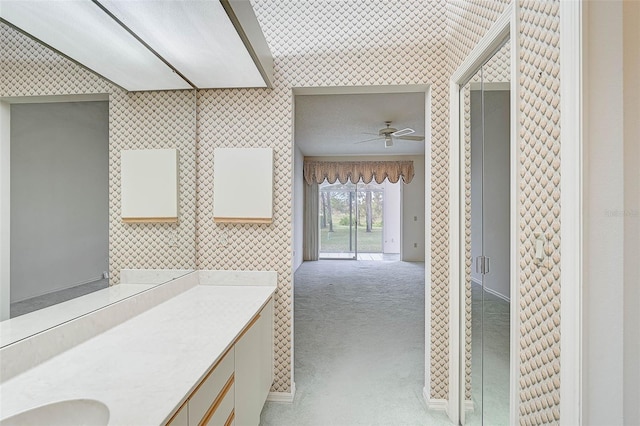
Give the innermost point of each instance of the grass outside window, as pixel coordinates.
(338, 240)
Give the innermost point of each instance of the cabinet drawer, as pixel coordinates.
(223, 412)
(211, 387)
(181, 418)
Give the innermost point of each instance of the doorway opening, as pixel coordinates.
(342, 309)
(355, 124)
(360, 221)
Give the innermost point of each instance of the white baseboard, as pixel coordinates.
(468, 406)
(66, 287)
(438, 405)
(498, 295)
(285, 397)
(434, 404)
(490, 291)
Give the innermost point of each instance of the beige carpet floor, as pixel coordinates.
(359, 346)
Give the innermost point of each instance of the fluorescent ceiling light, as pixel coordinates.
(195, 36)
(82, 31)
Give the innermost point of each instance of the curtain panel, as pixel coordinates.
(310, 249)
(342, 171)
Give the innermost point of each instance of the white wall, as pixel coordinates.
(413, 203)
(631, 13)
(603, 255)
(413, 214)
(5, 157)
(298, 207)
(490, 223)
(59, 196)
(391, 212)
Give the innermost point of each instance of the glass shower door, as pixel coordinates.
(472, 294)
(485, 301)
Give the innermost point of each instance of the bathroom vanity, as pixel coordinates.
(202, 357)
(235, 389)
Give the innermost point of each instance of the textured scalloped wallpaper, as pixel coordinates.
(337, 43)
(539, 210)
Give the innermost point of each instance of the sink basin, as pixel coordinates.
(62, 413)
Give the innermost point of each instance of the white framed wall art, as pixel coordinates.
(149, 185)
(243, 185)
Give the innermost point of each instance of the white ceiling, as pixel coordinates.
(329, 125)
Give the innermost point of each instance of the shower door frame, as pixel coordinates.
(506, 27)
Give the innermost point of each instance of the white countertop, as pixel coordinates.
(144, 368)
(14, 329)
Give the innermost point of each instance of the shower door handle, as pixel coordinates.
(482, 265)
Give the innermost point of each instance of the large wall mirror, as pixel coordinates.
(69, 107)
(55, 214)
(63, 244)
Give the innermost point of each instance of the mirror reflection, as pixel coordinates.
(485, 119)
(60, 217)
(59, 200)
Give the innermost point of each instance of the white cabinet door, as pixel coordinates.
(248, 357)
(266, 369)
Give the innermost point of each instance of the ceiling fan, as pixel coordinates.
(389, 134)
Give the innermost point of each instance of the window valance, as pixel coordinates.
(342, 171)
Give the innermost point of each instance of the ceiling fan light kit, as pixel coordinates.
(403, 132)
(388, 134)
(411, 138)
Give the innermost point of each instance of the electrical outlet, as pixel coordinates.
(172, 238)
(222, 238)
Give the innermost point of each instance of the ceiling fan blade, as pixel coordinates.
(411, 138)
(370, 140)
(403, 132)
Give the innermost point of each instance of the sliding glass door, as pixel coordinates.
(370, 214)
(350, 220)
(337, 220)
